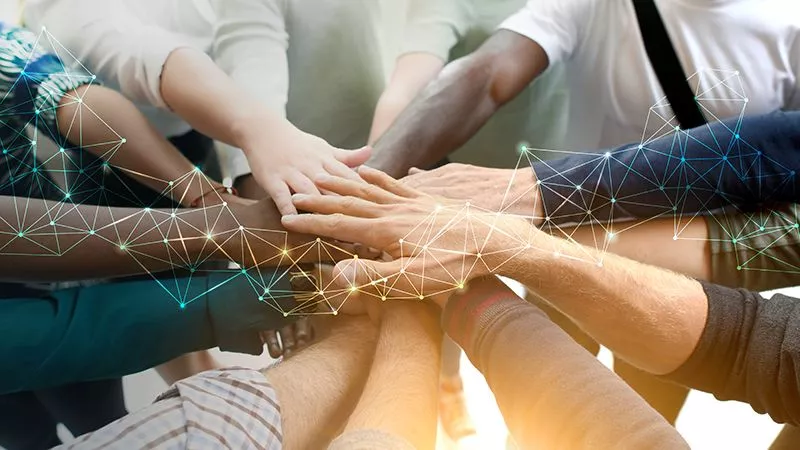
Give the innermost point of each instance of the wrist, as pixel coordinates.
(250, 132)
(512, 239)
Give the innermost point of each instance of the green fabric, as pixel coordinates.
(116, 329)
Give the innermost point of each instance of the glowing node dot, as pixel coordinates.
(736, 136)
(400, 241)
(640, 146)
(402, 270)
(91, 232)
(172, 215)
(67, 195)
(94, 77)
(244, 270)
(797, 225)
(172, 183)
(674, 238)
(319, 240)
(123, 247)
(661, 188)
(461, 285)
(674, 208)
(52, 223)
(20, 234)
(527, 245)
(321, 292)
(383, 298)
(610, 235)
(578, 187)
(61, 150)
(35, 169)
(761, 229)
(146, 209)
(166, 241)
(197, 168)
(738, 267)
(733, 241)
(724, 158)
(425, 247)
(209, 237)
(286, 314)
(36, 112)
(677, 128)
(80, 100)
(261, 298)
(183, 305)
(124, 140)
(613, 200)
(422, 297)
(746, 100)
(683, 159)
(547, 219)
(468, 204)
(224, 203)
(353, 288)
(266, 291)
(285, 252)
(607, 154)
(355, 256)
(479, 255)
(241, 227)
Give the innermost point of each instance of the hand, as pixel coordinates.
(437, 245)
(297, 159)
(510, 191)
(293, 337)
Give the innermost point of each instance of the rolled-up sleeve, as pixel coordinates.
(436, 26)
(749, 351)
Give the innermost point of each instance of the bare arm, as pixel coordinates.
(106, 124)
(319, 385)
(457, 104)
(400, 396)
(411, 73)
(44, 240)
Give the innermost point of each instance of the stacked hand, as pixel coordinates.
(301, 158)
(436, 245)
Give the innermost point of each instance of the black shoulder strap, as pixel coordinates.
(667, 66)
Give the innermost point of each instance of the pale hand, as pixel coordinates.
(296, 160)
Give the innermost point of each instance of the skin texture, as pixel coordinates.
(283, 158)
(452, 108)
(655, 323)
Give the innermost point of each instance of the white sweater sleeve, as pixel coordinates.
(435, 26)
(120, 48)
(250, 43)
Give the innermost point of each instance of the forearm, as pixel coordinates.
(400, 395)
(650, 317)
(553, 394)
(319, 385)
(442, 118)
(412, 72)
(214, 105)
(46, 241)
(748, 352)
(104, 123)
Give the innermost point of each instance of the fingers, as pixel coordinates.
(337, 226)
(301, 184)
(350, 206)
(415, 170)
(304, 331)
(350, 188)
(341, 170)
(273, 346)
(288, 339)
(280, 194)
(384, 181)
(353, 158)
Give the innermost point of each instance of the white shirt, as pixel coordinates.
(320, 63)
(733, 51)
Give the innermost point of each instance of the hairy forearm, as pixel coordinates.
(442, 118)
(649, 316)
(399, 397)
(319, 385)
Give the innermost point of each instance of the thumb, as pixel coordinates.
(353, 158)
(415, 170)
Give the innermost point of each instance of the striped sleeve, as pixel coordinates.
(33, 81)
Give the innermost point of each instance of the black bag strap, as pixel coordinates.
(667, 66)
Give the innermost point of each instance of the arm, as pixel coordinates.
(412, 72)
(459, 102)
(78, 334)
(432, 28)
(319, 385)
(400, 397)
(553, 394)
(42, 240)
